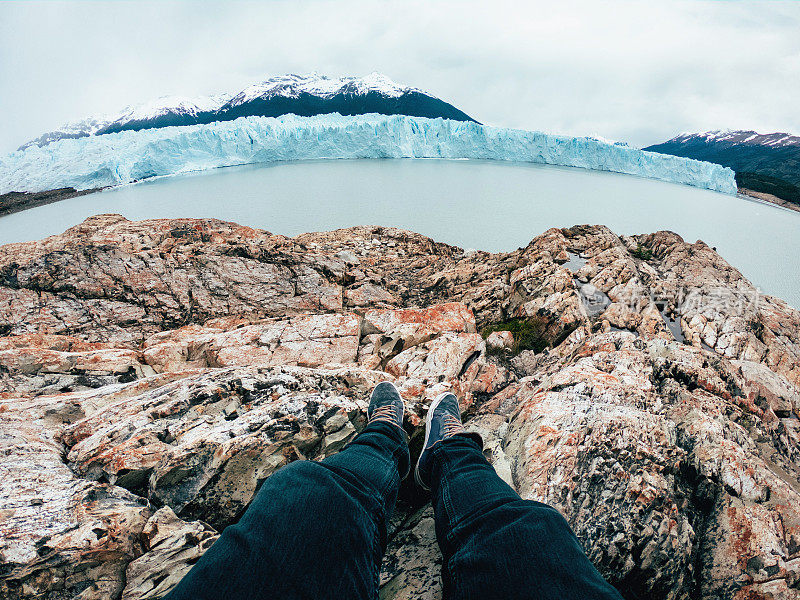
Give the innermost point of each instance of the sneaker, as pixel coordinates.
(386, 404)
(443, 421)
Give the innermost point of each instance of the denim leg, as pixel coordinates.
(497, 545)
(314, 530)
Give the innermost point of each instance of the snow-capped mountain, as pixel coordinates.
(732, 137)
(161, 112)
(293, 86)
(304, 95)
(768, 163)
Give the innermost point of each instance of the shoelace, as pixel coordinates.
(452, 425)
(384, 413)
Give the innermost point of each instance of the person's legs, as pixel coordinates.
(314, 530)
(494, 543)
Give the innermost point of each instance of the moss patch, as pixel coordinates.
(642, 252)
(757, 327)
(532, 333)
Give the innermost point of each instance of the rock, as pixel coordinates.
(171, 547)
(368, 294)
(389, 332)
(109, 279)
(307, 340)
(442, 358)
(42, 370)
(500, 340)
(765, 386)
(59, 533)
(452, 317)
(412, 565)
(561, 443)
(177, 445)
(153, 374)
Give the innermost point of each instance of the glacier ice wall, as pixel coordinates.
(129, 156)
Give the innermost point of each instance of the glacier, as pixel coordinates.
(129, 156)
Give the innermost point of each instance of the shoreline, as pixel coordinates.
(14, 202)
(768, 199)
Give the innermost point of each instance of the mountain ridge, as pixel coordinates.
(303, 95)
(764, 163)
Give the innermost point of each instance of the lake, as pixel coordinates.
(485, 205)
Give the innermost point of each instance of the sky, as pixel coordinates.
(637, 71)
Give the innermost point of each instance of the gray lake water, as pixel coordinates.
(473, 204)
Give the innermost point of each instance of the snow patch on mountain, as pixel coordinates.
(128, 156)
(292, 86)
(739, 136)
(177, 105)
(286, 86)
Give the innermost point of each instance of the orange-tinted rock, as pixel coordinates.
(306, 340)
(59, 532)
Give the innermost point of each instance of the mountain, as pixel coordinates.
(162, 112)
(765, 163)
(304, 95)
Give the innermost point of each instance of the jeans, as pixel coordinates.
(318, 530)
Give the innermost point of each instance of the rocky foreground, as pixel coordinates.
(154, 374)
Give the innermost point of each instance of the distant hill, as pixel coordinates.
(303, 95)
(766, 163)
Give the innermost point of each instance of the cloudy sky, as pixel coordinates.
(636, 71)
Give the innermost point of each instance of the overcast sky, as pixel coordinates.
(635, 71)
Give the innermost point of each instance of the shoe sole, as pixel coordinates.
(403, 414)
(428, 420)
